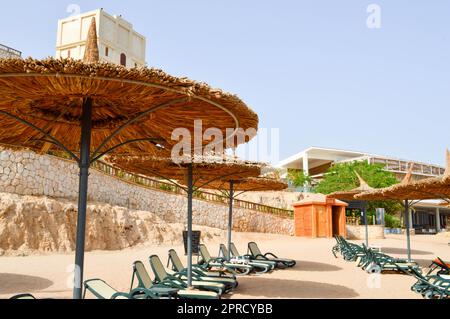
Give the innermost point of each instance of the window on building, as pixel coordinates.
(106, 51)
(123, 59)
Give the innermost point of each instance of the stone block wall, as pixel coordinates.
(28, 173)
(359, 232)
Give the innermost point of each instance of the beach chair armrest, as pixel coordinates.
(120, 294)
(259, 255)
(270, 254)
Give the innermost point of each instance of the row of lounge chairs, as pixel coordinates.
(212, 277)
(434, 284)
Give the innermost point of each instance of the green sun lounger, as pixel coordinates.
(177, 281)
(178, 267)
(258, 268)
(256, 254)
(211, 262)
(144, 281)
(101, 290)
(235, 253)
(430, 287)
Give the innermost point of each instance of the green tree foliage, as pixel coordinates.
(298, 177)
(342, 177)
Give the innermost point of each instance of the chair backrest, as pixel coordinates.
(100, 289)
(158, 268)
(253, 249)
(142, 275)
(223, 250)
(176, 261)
(204, 253)
(234, 251)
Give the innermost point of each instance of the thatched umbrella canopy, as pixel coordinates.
(206, 170)
(90, 108)
(194, 172)
(232, 188)
(350, 194)
(144, 103)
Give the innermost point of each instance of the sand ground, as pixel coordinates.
(317, 274)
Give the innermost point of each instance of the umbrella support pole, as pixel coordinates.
(366, 227)
(190, 191)
(86, 128)
(408, 234)
(230, 218)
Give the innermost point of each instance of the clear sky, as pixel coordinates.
(313, 69)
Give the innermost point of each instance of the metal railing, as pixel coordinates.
(7, 52)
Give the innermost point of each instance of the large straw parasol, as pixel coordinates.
(194, 172)
(350, 196)
(233, 187)
(408, 190)
(89, 109)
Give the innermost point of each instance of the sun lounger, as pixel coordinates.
(235, 253)
(144, 281)
(430, 287)
(258, 268)
(101, 290)
(211, 262)
(256, 254)
(177, 280)
(178, 267)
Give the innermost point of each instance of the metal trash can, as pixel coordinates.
(195, 242)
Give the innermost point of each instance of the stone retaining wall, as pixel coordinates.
(28, 173)
(359, 232)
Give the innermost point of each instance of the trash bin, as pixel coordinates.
(195, 242)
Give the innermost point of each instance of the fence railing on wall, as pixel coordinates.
(171, 188)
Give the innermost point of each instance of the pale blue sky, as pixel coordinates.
(311, 68)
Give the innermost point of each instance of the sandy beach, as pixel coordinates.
(317, 274)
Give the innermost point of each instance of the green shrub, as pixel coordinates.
(392, 221)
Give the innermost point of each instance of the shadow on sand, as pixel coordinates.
(402, 251)
(283, 288)
(314, 266)
(16, 284)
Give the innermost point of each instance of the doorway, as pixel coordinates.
(335, 220)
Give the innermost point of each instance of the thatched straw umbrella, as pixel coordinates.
(233, 187)
(350, 196)
(89, 109)
(194, 172)
(408, 190)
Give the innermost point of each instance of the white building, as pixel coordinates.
(315, 161)
(118, 42)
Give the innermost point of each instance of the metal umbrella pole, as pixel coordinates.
(408, 235)
(85, 161)
(230, 218)
(364, 207)
(190, 191)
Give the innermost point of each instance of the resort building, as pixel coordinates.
(8, 53)
(118, 42)
(426, 216)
